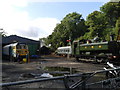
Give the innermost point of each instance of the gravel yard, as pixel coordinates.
(50, 64)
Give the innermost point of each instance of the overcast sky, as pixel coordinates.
(36, 19)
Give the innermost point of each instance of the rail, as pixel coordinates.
(79, 84)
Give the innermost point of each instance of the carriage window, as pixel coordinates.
(68, 51)
(60, 50)
(65, 50)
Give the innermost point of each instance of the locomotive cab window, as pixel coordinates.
(24, 47)
(18, 47)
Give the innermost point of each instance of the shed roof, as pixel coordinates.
(15, 38)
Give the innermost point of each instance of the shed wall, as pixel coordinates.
(33, 49)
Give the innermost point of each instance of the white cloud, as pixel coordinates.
(45, 24)
(20, 23)
(38, 28)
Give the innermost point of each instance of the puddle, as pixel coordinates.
(59, 71)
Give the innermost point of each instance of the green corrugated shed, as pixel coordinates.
(33, 49)
(33, 45)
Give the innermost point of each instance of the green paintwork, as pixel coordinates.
(94, 46)
(96, 50)
(76, 50)
(32, 49)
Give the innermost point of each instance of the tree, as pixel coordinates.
(112, 12)
(117, 28)
(114, 0)
(74, 25)
(71, 27)
(96, 23)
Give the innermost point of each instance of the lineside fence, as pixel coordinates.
(79, 81)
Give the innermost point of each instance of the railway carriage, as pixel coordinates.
(64, 50)
(16, 51)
